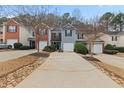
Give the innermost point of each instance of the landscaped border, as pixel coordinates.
(15, 76)
(107, 69)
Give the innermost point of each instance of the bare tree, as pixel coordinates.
(31, 16)
(93, 32)
(36, 20)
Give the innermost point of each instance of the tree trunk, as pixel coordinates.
(38, 50)
(90, 49)
(120, 27)
(37, 44)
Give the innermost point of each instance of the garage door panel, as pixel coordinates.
(98, 48)
(42, 44)
(68, 46)
(11, 42)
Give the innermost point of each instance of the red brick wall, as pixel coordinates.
(12, 35)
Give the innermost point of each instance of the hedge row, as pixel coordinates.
(110, 49)
(51, 48)
(21, 46)
(80, 48)
(120, 49)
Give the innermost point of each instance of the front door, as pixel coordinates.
(32, 44)
(58, 45)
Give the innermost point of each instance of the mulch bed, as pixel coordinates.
(117, 74)
(11, 65)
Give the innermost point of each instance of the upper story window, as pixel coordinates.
(44, 32)
(80, 36)
(33, 33)
(1, 40)
(12, 29)
(54, 35)
(1, 33)
(114, 38)
(68, 33)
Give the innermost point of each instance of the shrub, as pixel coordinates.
(80, 48)
(9, 46)
(109, 47)
(120, 49)
(17, 45)
(110, 51)
(51, 48)
(24, 48)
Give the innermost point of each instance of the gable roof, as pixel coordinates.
(115, 33)
(69, 26)
(11, 21)
(80, 28)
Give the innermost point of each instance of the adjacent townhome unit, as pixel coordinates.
(66, 36)
(1, 34)
(15, 32)
(114, 38)
(63, 37)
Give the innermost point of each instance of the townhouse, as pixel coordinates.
(14, 32)
(63, 37)
(1, 34)
(114, 38)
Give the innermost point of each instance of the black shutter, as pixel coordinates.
(70, 32)
(112, 38)
(16, 28)
(65, 32)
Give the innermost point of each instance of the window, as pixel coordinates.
(44, 32)
(1, 40)
(54, 35)
(68, 32)
(80, 36)
(1, 33)
(12, 29)
(114, 38)
(33, 34)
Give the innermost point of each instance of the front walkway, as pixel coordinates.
(111, 59)
(67, 70)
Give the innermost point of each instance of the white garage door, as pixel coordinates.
(68, 46)
(42, 44)
(11, 42)
(97, 48)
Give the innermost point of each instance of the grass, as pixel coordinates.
(11, 65)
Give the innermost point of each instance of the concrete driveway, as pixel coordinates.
(8, 55)
(111, 59)
(64, 70)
